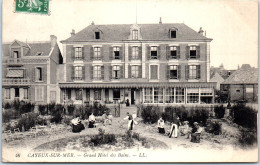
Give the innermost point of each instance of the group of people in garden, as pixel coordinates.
(177, 127)
(183, 128)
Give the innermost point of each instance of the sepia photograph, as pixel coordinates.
(129, 81)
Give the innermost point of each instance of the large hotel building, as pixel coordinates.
(161, 64)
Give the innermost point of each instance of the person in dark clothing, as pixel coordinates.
(161, 126)
(77, 126)
(129, 117)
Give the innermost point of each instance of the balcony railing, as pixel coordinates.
(16, 81)
(15, 61)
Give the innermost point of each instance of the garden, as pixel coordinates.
(48, 127)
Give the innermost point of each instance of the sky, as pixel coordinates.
(232, 24)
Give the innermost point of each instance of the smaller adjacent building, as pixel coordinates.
(242, 85)
(29, 71)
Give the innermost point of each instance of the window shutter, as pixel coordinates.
(102, 72)
(179, 71)
(72, 53)
(187, 72)
(43, 77)
(101, 54)
(72, 72)
(140, 71)
(178, 53)
(91, 53)
(129, 72)
(198, 71)
(24, 73)
(110, 72)
(121, 71)
(83, 55)
(91, 72)
(110, 53)
(198, 52)
(158, 52)
(168, 72)
(139, 52)
(148, 53)
(130, 53)
(29, 93)
(167, 52)
(120, 53)
(83, 72)
(33, 74)
(187, 52)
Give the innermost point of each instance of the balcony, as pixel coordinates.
(15, 61)
(16, 81)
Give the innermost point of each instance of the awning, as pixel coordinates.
(139, 85)
(15, 73)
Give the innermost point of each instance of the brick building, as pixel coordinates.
(242, 85)
(29, 71)
(144, 63)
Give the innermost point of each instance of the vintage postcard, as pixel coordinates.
(129, 81)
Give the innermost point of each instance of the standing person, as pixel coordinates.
(161, 126)
(174, 128)
(110, 118)
(104, 118)
(91, 120)
(129, 117)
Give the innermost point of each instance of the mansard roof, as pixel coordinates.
(150, 32)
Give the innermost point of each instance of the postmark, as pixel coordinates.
(32, 6)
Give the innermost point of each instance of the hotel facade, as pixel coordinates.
(162, 64)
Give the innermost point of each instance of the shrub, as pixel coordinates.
(247, 137)
(214, 127)
(219, 111)
(50, 107)
(27, 121)
(41, 120)
(71, 108)
(67, 120)
(43, 109)
(103, 138)
(150, 114)
(57, 113)
(16, 105)
(245, 116)
(7, 115)
(6, 105)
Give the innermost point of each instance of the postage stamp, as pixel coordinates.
(32, 6)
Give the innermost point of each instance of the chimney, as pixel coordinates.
(92, 23)
(72, 32)
(160, 22)
(53, 40)
(201, 31)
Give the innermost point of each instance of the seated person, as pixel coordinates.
(77, 126)
(196, 132)
(92, 121)
(185, 129)
(161, 126)
(109, 118)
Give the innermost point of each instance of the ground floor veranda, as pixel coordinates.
(138, 93)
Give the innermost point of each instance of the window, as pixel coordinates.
(39, 93)
(97, 72)
(158, 95)
(249, 89)
(154, 52)
(97, 94)
(78, 53)
(97, 53)
(78, 93)
(173, 33)
(180, 95)
(193, 54)
(154, 72)
(134, 71)
(206, 95)
(173, 52)
(192, 95)
(116, 94)
(25, 93)
(116, 53)
(78, 73)
(38, 74)
(148, 95)
(97, 35)
(7, 93)
(135, 34)
(169, 95)
(135, 53)
(173, 72)
(16, 54)
(116, 72)
(193, 72)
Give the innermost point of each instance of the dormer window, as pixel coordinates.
(135, 34)
(173, 34)
(97, 35)
(39, 53)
